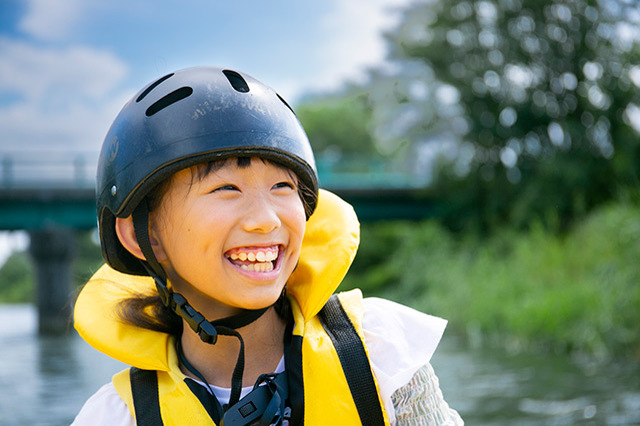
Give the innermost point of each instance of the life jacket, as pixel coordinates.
(329, 246)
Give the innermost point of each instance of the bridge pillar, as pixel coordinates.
(52, 249)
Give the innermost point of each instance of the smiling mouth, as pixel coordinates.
(254, 259)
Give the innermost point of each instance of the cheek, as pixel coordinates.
(173, 231)
(298, 222)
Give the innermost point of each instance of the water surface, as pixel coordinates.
(45, 381)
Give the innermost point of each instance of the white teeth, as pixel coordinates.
(257, 267)
(263, 259)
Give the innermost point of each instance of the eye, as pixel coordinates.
(281, 185)
(222, 188)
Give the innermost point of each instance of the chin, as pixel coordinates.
(260, 304)
(263, 298)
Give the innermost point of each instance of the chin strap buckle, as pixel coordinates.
(178, 304)
(195, 319)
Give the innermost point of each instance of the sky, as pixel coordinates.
(68, 66)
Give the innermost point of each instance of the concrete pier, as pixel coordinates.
(53, 249)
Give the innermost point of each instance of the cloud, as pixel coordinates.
(26, 127)
(355, 40)
(66, 97)
(37, 71)
(51, 20)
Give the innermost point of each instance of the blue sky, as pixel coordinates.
(68, 66)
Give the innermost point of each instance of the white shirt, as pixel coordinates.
(400, 342)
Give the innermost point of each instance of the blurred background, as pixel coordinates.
(491, 149)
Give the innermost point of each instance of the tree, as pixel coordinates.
(338, 124)
(17, 279)
(17, 275)
(340, 129)
(538, 102)
(88, 257)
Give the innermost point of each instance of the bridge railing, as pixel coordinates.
(361, 172)
(76, 170)
(40, 189)
(45, 169)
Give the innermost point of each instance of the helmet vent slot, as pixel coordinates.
(285, 102)
(169, 99)
(153, 86)
(236, 80)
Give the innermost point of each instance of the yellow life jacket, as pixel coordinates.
(329, 246)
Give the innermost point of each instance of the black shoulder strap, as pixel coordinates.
(355, 364)
(146, 403)
(353, 358)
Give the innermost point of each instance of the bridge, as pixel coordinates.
(57, 188)
(50, 194)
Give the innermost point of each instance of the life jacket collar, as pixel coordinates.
(328, 248)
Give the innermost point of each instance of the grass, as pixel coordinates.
(572, 293)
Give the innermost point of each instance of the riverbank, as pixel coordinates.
(532, 290)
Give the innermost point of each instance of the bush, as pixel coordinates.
(17, 279)
(17, 275)
(572, 293)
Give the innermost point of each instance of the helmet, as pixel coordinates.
(184, 118)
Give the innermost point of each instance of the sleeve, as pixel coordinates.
(104, 408)
(420, 402)
(400, 342)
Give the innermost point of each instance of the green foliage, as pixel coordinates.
(537, 100)
(17, 279)
(17, 275)
(88, 257)
(338, 124)
(513, 112)
(533, 289)
(340, 129)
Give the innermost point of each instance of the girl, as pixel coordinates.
(221, 258)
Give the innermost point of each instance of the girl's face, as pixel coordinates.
(232, 239)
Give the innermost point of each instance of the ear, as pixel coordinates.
(127, 236)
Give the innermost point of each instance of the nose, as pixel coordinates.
(261, 215)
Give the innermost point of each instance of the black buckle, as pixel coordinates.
(253, 406)
(195, 319)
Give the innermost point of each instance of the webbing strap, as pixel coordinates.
(146, 403)
(140, 218)
(353, 358)
(355, 363)
(208, 331)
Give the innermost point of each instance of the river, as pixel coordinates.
(45, 381)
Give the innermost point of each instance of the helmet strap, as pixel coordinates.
(208, 331)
